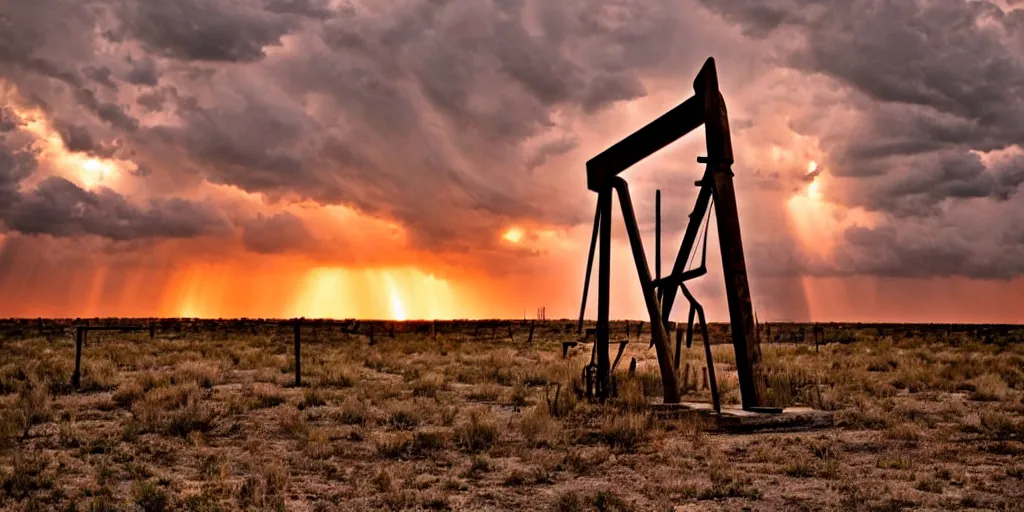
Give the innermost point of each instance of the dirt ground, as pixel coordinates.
(472, 420)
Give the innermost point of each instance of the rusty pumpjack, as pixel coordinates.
(706, 107)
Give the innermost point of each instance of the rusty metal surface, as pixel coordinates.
(705, 107)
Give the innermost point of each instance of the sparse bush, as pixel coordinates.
(312, 397)
(394, 445)
(626, 432)
(265, 489)
(999, 425)
(99, 375)
(608, 501)
(293, 423)
(448, 414)
(264, 396)
(485, 393)
(562, 400)
(196, 417)
(28, 476)
(479, 465)
(353, 412)
(428, 385)
(537, 427)
(631, 396)
(519, 396)
(800, 468)
(204, 375)
(904, 432)
(726, 483)
(990, 388)
(570, 501)
(149, 497)
(338, 376)
(404, 415)
(479, 432)
(929, 484)
(426, 442)
(316, 445)
(127, 394)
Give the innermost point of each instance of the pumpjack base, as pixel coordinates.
(736, 420)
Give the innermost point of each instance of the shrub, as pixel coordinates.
(27, 476)
(205, 375)
(99, 375)
(394, 446)
(264, 396)
(149, 497)
(537, 427)
(1001, 426)
(338, 376)
(929, 484)
(562, 400)
(127, 394)
(478, 432)
(626, 432)
(990, 388)
(292, 423)
(312, 397)
(485, 393)
(353, 412)
(426, 442)
(428, 385)
(404, 415)
(31, 408)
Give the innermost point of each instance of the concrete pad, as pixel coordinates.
(734, 419)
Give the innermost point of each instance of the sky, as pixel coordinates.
(405, 159)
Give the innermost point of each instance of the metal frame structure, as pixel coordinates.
(706, 107)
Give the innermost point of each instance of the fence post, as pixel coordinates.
(298, 353)
(76, 378)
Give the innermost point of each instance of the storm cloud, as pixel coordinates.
(454, 119)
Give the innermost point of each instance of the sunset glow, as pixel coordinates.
(95, 172)
(514, 235)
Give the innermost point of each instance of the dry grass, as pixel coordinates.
(208, 420)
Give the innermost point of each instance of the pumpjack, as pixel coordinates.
(706, 107)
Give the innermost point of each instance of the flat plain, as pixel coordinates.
(207, 417)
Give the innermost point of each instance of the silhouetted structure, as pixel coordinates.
(706, 107)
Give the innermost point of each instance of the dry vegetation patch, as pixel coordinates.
(209, 421)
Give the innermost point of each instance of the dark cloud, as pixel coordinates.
(143, 72)
(279, 233)
(60, 208)
(606, 89)
(550, 150)
(76, 138)
(17, 162)
(100, 75)
(929, 88)
(443, 115)
(205, 30)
